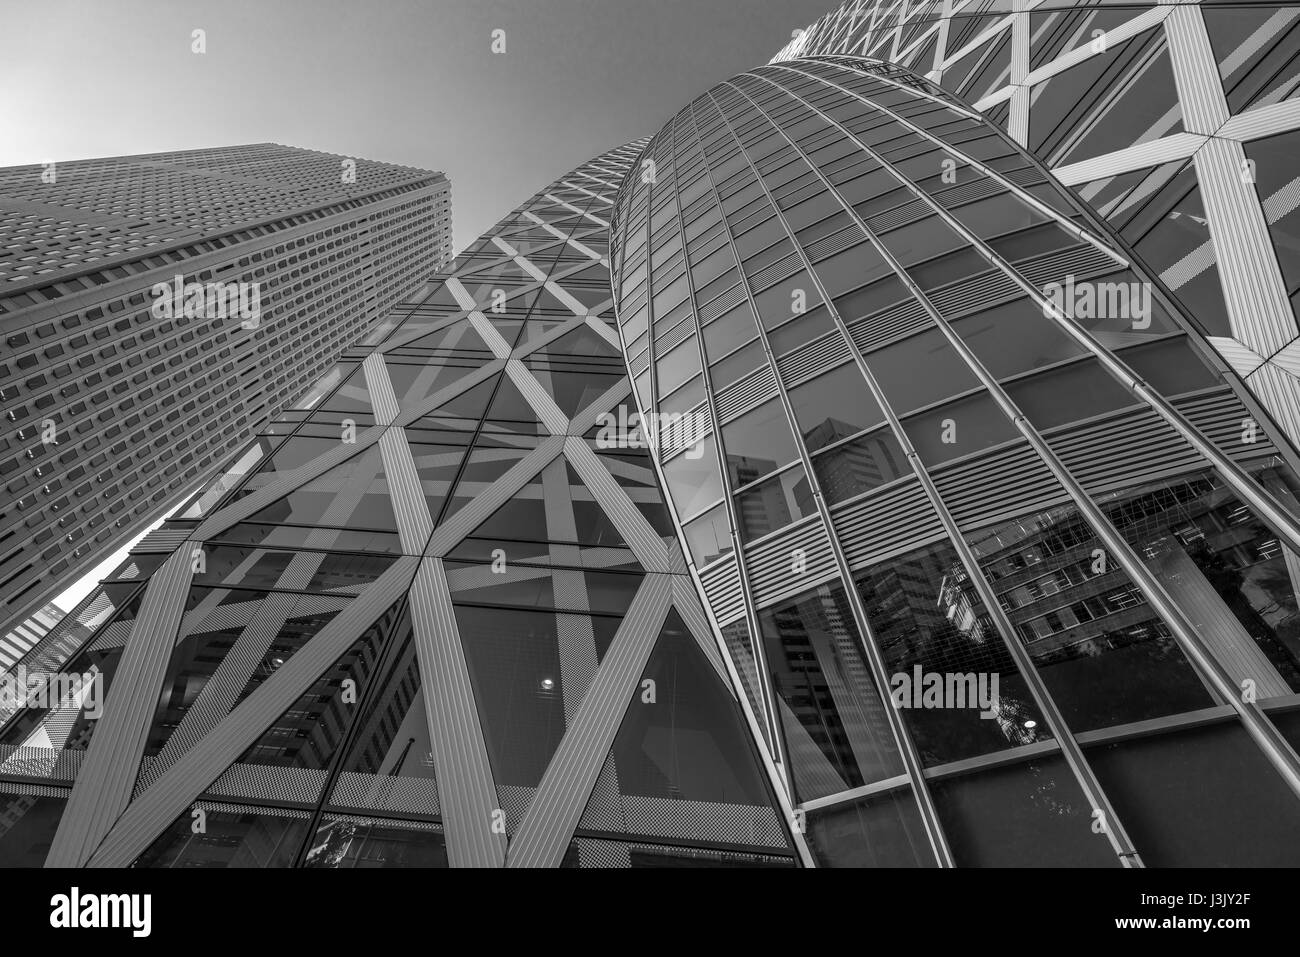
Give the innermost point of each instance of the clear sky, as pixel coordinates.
(403, 81)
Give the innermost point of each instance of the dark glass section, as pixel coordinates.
(833, 719)
(514, 663)
(1224, 568)
(774, 503)
(1203, 797)
(29, 818)
(709, 536)
(209, 835)
(1015, 338)
(352, 842)
(683, 763)
(309, 734)
(880, 831)
(389, 763)
(951, 676)
(1022, 815)
(859, 465)
(1105, 655)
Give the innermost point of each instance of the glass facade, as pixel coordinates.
(884, 465)
(435, 615)
(998, 516)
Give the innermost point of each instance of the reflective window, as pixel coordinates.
(774, 504)
(1105, 655)
(833, 406)
(709, 536)
(951, 676)
(234, 837)
(740, 363)
(1023, 815)
(959, 428)
(693, 478)
(1015, 338)
(860, 465)
(1070, 393)
(1224, 568)
(758, 443)
(920, 370)
(833, 718)
(881, 831)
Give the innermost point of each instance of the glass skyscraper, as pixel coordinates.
(890, 462)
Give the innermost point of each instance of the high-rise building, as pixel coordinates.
(860, 471)
(434, 610)
(157, 308)
(1007, 550)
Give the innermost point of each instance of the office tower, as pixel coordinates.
(1005, 550)
(157, 308)
(434, 613)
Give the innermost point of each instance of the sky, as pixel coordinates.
(413, 82)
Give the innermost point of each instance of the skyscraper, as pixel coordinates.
(156, 308)
(1006, 652)
(856, 472)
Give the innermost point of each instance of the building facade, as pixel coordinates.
(1006, 550)
(858, 472)
(435, 614)
(155, 311)
(1175, 122)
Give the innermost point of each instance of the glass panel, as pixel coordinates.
(1224, 568)
(683, 764)
(709, 536)
(834, 406)
(860, 465)
(881, 831)
(1204, 797)
(234, 837)
(1105, 655)
(1023, 815)
(353, 842)
(1015, 338)
(951, 675)
(758, 443)
(959, 428)
(833, 718)
(775, 503)
(896, 370)
(693, 479)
